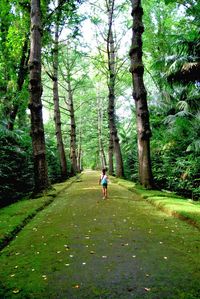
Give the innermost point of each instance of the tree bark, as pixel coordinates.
(57, 117)
(79, 151)
(72, 131)
(140, 97)
(111, 96)
(101, 146)
(35, 104)
(110, 156)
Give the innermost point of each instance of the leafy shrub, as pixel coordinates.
(16, 165)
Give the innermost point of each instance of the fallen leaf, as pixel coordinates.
(104, 256)
(77, 286)
(44, 277)
(147, 289)
(165, 257)
(16, 291)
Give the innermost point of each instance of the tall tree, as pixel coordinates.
(57, 117)
(114, 139)
(100, 137)
(79, 150)
(73, 155)
(140, 96)
(35, 105)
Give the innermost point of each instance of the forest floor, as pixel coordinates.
(84, 247)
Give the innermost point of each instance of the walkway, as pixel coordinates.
(84, 247)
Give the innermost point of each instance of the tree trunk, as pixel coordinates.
(57, 117)
(72, 131)
(140, 97)
(111, 96)
(79, 152)
(100, 120)
(22, 73)
(35, 105)
(110, 156)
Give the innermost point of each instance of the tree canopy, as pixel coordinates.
(89, 116)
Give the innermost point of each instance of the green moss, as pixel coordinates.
(81, 246)
(14, 217)
(169, 202)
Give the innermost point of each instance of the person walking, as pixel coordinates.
(103, 180)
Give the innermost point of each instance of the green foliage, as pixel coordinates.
(52, 160)
(16, 166)
(175, 154)
(171, 49)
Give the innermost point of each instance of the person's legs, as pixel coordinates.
(106, 192)
(103, 191)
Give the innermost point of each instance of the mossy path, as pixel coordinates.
(84, 247)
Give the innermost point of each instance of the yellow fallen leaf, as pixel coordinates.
(16, 291)
(77, 286)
